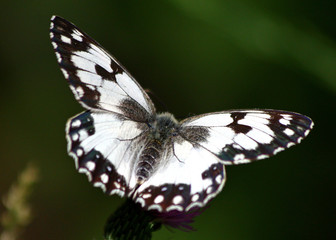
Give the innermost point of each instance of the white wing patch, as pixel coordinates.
(260, 136)
(210, 120)
(132, 89)
(218, 136)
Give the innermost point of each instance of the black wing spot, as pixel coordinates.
(104, 73)
(238, 116)
(116, 68)
(238, 128)
(91, 131)
(235, 126)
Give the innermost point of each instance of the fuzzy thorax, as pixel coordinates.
(163, 127)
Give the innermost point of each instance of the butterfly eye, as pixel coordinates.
(149, 125)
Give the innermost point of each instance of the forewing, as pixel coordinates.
(104, 148)
(188, 178)
(95, 77)
(242, 136)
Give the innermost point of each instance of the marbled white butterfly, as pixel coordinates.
(126, 148)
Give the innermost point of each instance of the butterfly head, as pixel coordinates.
(163, 126)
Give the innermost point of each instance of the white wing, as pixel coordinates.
(104, 148)
(97, 80)
(187, 179)
(242, 136)
(102, 141)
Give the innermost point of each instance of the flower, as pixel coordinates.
(131, 221)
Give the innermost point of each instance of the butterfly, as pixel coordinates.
(126, 148)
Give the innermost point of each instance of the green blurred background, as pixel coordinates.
(197, 57)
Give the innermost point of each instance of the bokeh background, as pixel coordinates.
(196, 57)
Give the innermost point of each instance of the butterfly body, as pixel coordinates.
(126, 148)
(160, 134)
